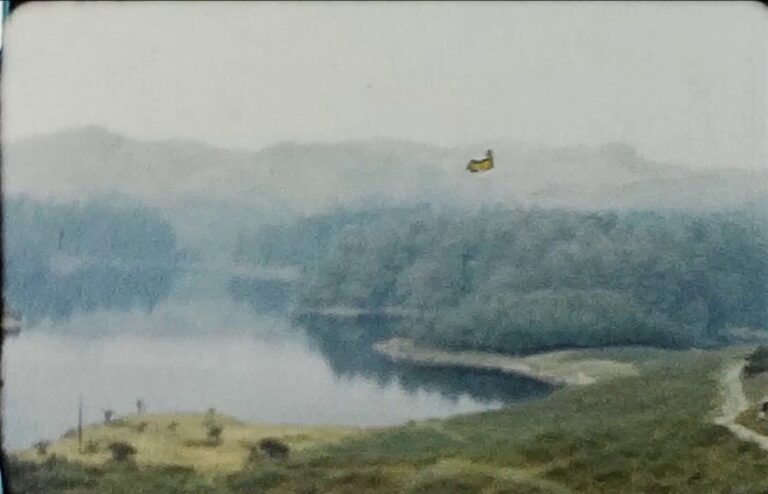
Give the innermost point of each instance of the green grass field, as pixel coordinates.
(648, 433)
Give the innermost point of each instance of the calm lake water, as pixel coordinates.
(191, 354)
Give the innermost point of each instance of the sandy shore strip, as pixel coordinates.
(567, 367)
(734, 404)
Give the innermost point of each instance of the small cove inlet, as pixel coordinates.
(192, 354)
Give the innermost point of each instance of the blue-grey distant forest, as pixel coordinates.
(489, 276)
(524, 281)
(63, 258)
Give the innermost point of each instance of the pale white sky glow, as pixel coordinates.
(684, 82)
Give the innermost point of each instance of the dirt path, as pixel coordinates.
(734, 403)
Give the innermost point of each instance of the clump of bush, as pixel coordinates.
(41, 447)
(173, 426)
(214, 428)
(274, 448)
(141, 427)
(757, 362)
(214, 433)
(122, 451)
(253, 456)
(91, 447)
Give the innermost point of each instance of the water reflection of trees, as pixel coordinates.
(64, 258)
(263, 296)
(346, 345)
(39, 293)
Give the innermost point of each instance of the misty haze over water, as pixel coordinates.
(194, 352)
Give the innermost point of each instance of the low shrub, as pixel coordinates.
(274, 448)
(122, 451)
(91, 447)
(757, 362)
(42, 447)
(214, 433)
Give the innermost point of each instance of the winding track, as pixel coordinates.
(734, 403)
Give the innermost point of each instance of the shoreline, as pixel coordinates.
(558, 368)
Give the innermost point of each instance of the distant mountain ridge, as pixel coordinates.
(307, 178)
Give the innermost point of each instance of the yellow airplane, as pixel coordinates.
(482, 165)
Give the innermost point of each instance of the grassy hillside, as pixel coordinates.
(182, 440)
(649, 433)
(645, 433)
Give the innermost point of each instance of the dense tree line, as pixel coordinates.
(525, 280)
(60, 258)
(303, 242)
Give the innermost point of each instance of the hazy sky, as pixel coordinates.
(684, 82)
